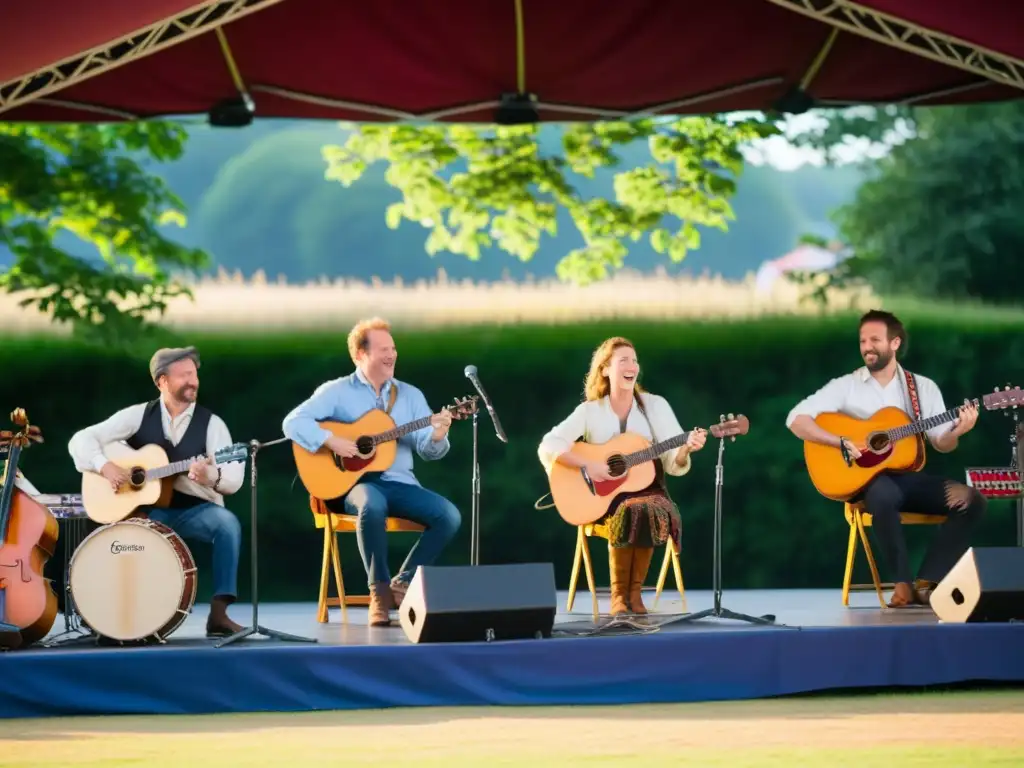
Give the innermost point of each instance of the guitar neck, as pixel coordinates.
(169, 470)
(10, 473)
(923, 425)
(397, 432)
(655, 450)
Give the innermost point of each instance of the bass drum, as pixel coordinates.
(133, 580)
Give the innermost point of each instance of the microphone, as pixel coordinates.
(471, 375)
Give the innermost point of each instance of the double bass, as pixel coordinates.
(28, 539)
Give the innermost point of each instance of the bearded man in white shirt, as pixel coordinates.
(882, 382)
(184, 429)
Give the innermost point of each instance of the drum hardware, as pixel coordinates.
(71, 516)
(255, 628)
(1005, 482)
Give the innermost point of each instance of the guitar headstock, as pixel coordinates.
(230, 453)
(1000, 399)
(730, 426)
(28, 434)
(463, 408)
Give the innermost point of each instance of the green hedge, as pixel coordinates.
(778, 531)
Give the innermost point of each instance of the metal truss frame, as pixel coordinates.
(213, 14)
(912, 38)
(199, 19)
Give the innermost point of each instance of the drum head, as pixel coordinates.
(126, 580)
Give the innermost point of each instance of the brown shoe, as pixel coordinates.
(620, 562)
(398, 590)
(381, 602)
(637, 576)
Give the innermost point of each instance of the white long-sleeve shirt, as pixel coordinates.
(22, 482)
(595, 422)
(859, 395)
(86, 446)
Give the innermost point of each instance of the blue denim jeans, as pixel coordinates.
(211, 524)
(373, 501)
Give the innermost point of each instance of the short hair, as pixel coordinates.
(893, 327)
(358, 337)
(163, 359)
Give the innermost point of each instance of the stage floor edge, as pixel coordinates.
(812, 649)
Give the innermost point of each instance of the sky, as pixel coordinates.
(781, 154)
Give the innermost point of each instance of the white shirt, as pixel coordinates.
(859, 394)
(595, 422)
(86, 446)
(22, 482)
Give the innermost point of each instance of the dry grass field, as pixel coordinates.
(228, 303)
(935, 730)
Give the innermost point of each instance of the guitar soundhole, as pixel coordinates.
(878, 442)
(365, 445)
(616, 466)
(138, 477)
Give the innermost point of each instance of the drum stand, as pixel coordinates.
(718, 611)
(255, 628)
(1017, 462)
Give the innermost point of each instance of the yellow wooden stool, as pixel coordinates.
(860, 521)
(343, 524)
(583, 554)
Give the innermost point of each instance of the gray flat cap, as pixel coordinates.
(164, 358)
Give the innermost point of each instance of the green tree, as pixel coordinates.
(89, 182)
(939, 214)
(475, 187)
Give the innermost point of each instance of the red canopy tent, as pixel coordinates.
(465, 60)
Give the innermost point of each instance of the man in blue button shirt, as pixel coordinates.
(395, 492)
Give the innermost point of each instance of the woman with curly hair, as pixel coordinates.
(615, 403)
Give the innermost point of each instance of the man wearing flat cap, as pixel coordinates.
(184, 429)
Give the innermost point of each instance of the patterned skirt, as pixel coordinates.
(645, 519)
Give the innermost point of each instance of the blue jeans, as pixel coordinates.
(209, 523)
(373, 501)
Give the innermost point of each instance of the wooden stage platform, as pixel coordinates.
(816, 644)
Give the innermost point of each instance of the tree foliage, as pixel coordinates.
(477, 187)
(89, 182)
(940, 215)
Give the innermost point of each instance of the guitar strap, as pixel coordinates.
(643, 410)
(392, 396)
(912, 390)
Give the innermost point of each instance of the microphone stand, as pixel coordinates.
(474, 533)
(718, 611)
(255, 628)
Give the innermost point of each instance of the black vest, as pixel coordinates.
(193, 443)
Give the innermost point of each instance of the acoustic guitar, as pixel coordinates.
(328, 476)
(28, 539)
(889, 441)
(630, 460)
(151, 481)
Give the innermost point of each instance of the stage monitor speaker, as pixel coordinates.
(468, 603)
(986, 584)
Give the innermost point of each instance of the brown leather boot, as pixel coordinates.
(381, 601)
(620, 562)
(637, 576)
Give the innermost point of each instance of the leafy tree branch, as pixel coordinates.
(88, 181)
(478, 187)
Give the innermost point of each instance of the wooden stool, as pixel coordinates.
(860, 521)
(343, 524)
(583, 554)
